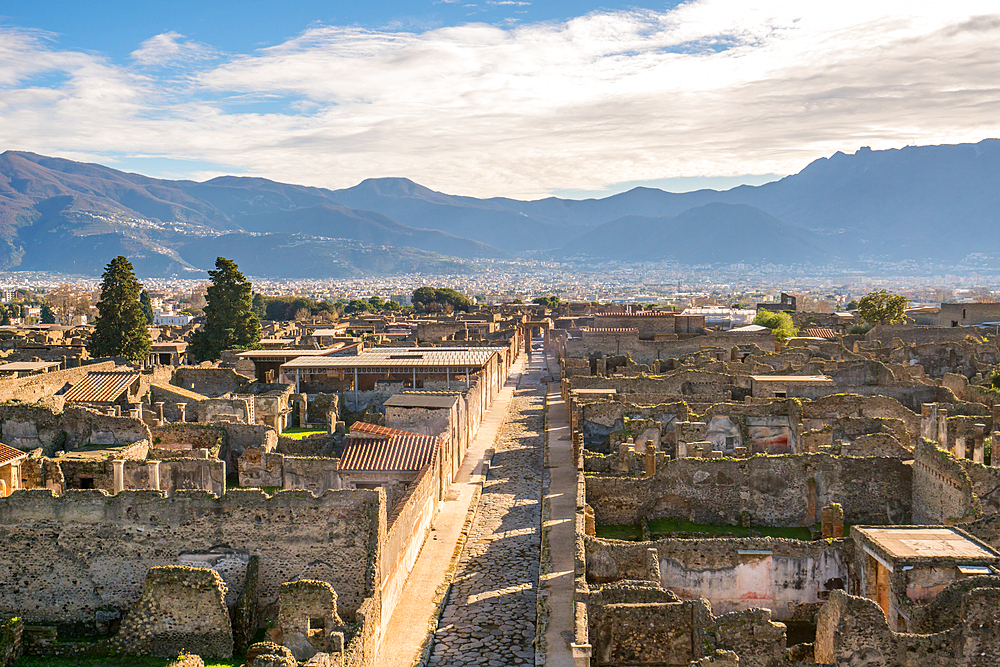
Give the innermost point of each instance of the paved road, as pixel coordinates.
(414, 615)
(490, 617)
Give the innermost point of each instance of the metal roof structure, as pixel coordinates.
(399, 358)
(434, 401)
(10, 455)
(101, 387)
(371, 448)
(814, 379)
(279, 354)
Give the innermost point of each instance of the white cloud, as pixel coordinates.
(713, 88)
(170, 48)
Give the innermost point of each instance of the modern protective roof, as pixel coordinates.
(287, 353)
(820, 332)
(421, 400)
(400, 357)
(371, 448)
(908, 542)
(813, 379)
(9, 455)
(101, 386)
(22, 366)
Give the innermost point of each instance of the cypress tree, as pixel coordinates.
(147, 306)
(5, 318)
(230, 323)
(120, 328)
(48, 316)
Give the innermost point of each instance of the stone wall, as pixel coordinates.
(11, 647)
(28, 427)
(36, 387)
(771, 490)
(942, 490)
(985, 483)
(790, 577)
(211, 382)
(96, 549)
(853, 631)
(181, 608)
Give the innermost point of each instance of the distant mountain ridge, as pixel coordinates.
(914, 203)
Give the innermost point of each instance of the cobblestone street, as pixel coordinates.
(490, 616)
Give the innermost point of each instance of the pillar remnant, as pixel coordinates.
(832, 517)
(119, 474)
(154, 474)
(159, 411)
(181, 409)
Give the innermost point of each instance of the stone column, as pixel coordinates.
(978, 447)
(138, 408)
(181, 407)
(650, 462)
(942, 428)
(119, 466)
(154, 474)
(134, 414)
(682, 449)
(589, 521)
(303, 410)
(832, 517)
(960, 446)
(928, 417)
(159, 411)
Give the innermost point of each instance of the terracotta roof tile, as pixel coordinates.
(9, 454)
(101, 386)
(396, 453)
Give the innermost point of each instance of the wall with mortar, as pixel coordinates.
(773, 490)
(211, 382)
(95, 549)
(942, 490)
(985, 484)
(663, 347)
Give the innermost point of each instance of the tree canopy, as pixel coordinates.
(550, 302)
(882, 307)
(48, 315)
(438, 299)
(147, 306)
(230, 323)
(780, 323)
(5, 317)
(120, 328)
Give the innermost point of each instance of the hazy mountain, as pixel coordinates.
(709, 234)
(930, 202)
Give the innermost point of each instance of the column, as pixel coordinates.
(181, 408)
(159, 412)
(978, 446)
(928, 414)
(154, 474)
(119, 466)
(942, 430)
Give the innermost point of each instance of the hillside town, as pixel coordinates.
(432, 480)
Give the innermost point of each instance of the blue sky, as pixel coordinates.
(504, 97)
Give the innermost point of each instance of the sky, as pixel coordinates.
(509, 98)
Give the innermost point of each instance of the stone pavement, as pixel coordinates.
(415, 613)
(557, 583)
(490, 616)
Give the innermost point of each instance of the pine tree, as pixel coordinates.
(5, 318)
(48, 315)
(147, 306)
(120, 328)
(230, 323)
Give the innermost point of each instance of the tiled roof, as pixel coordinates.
(817, 332)
(402, 358)
(644, 313)
(101, 386)
(373, 448)
(9, 454)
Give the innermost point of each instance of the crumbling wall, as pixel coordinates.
(96, 549)
(770, 490)
(985, 483)
(790, 577)
(211, 382)
(853, 631)
(28, 427)
(181, 608)
(942, 490)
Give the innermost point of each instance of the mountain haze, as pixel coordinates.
(938, 203)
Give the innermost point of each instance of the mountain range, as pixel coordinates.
(928, 203)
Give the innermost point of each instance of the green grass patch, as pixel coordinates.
(669, 526)
(622, 532)
(298, 433)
